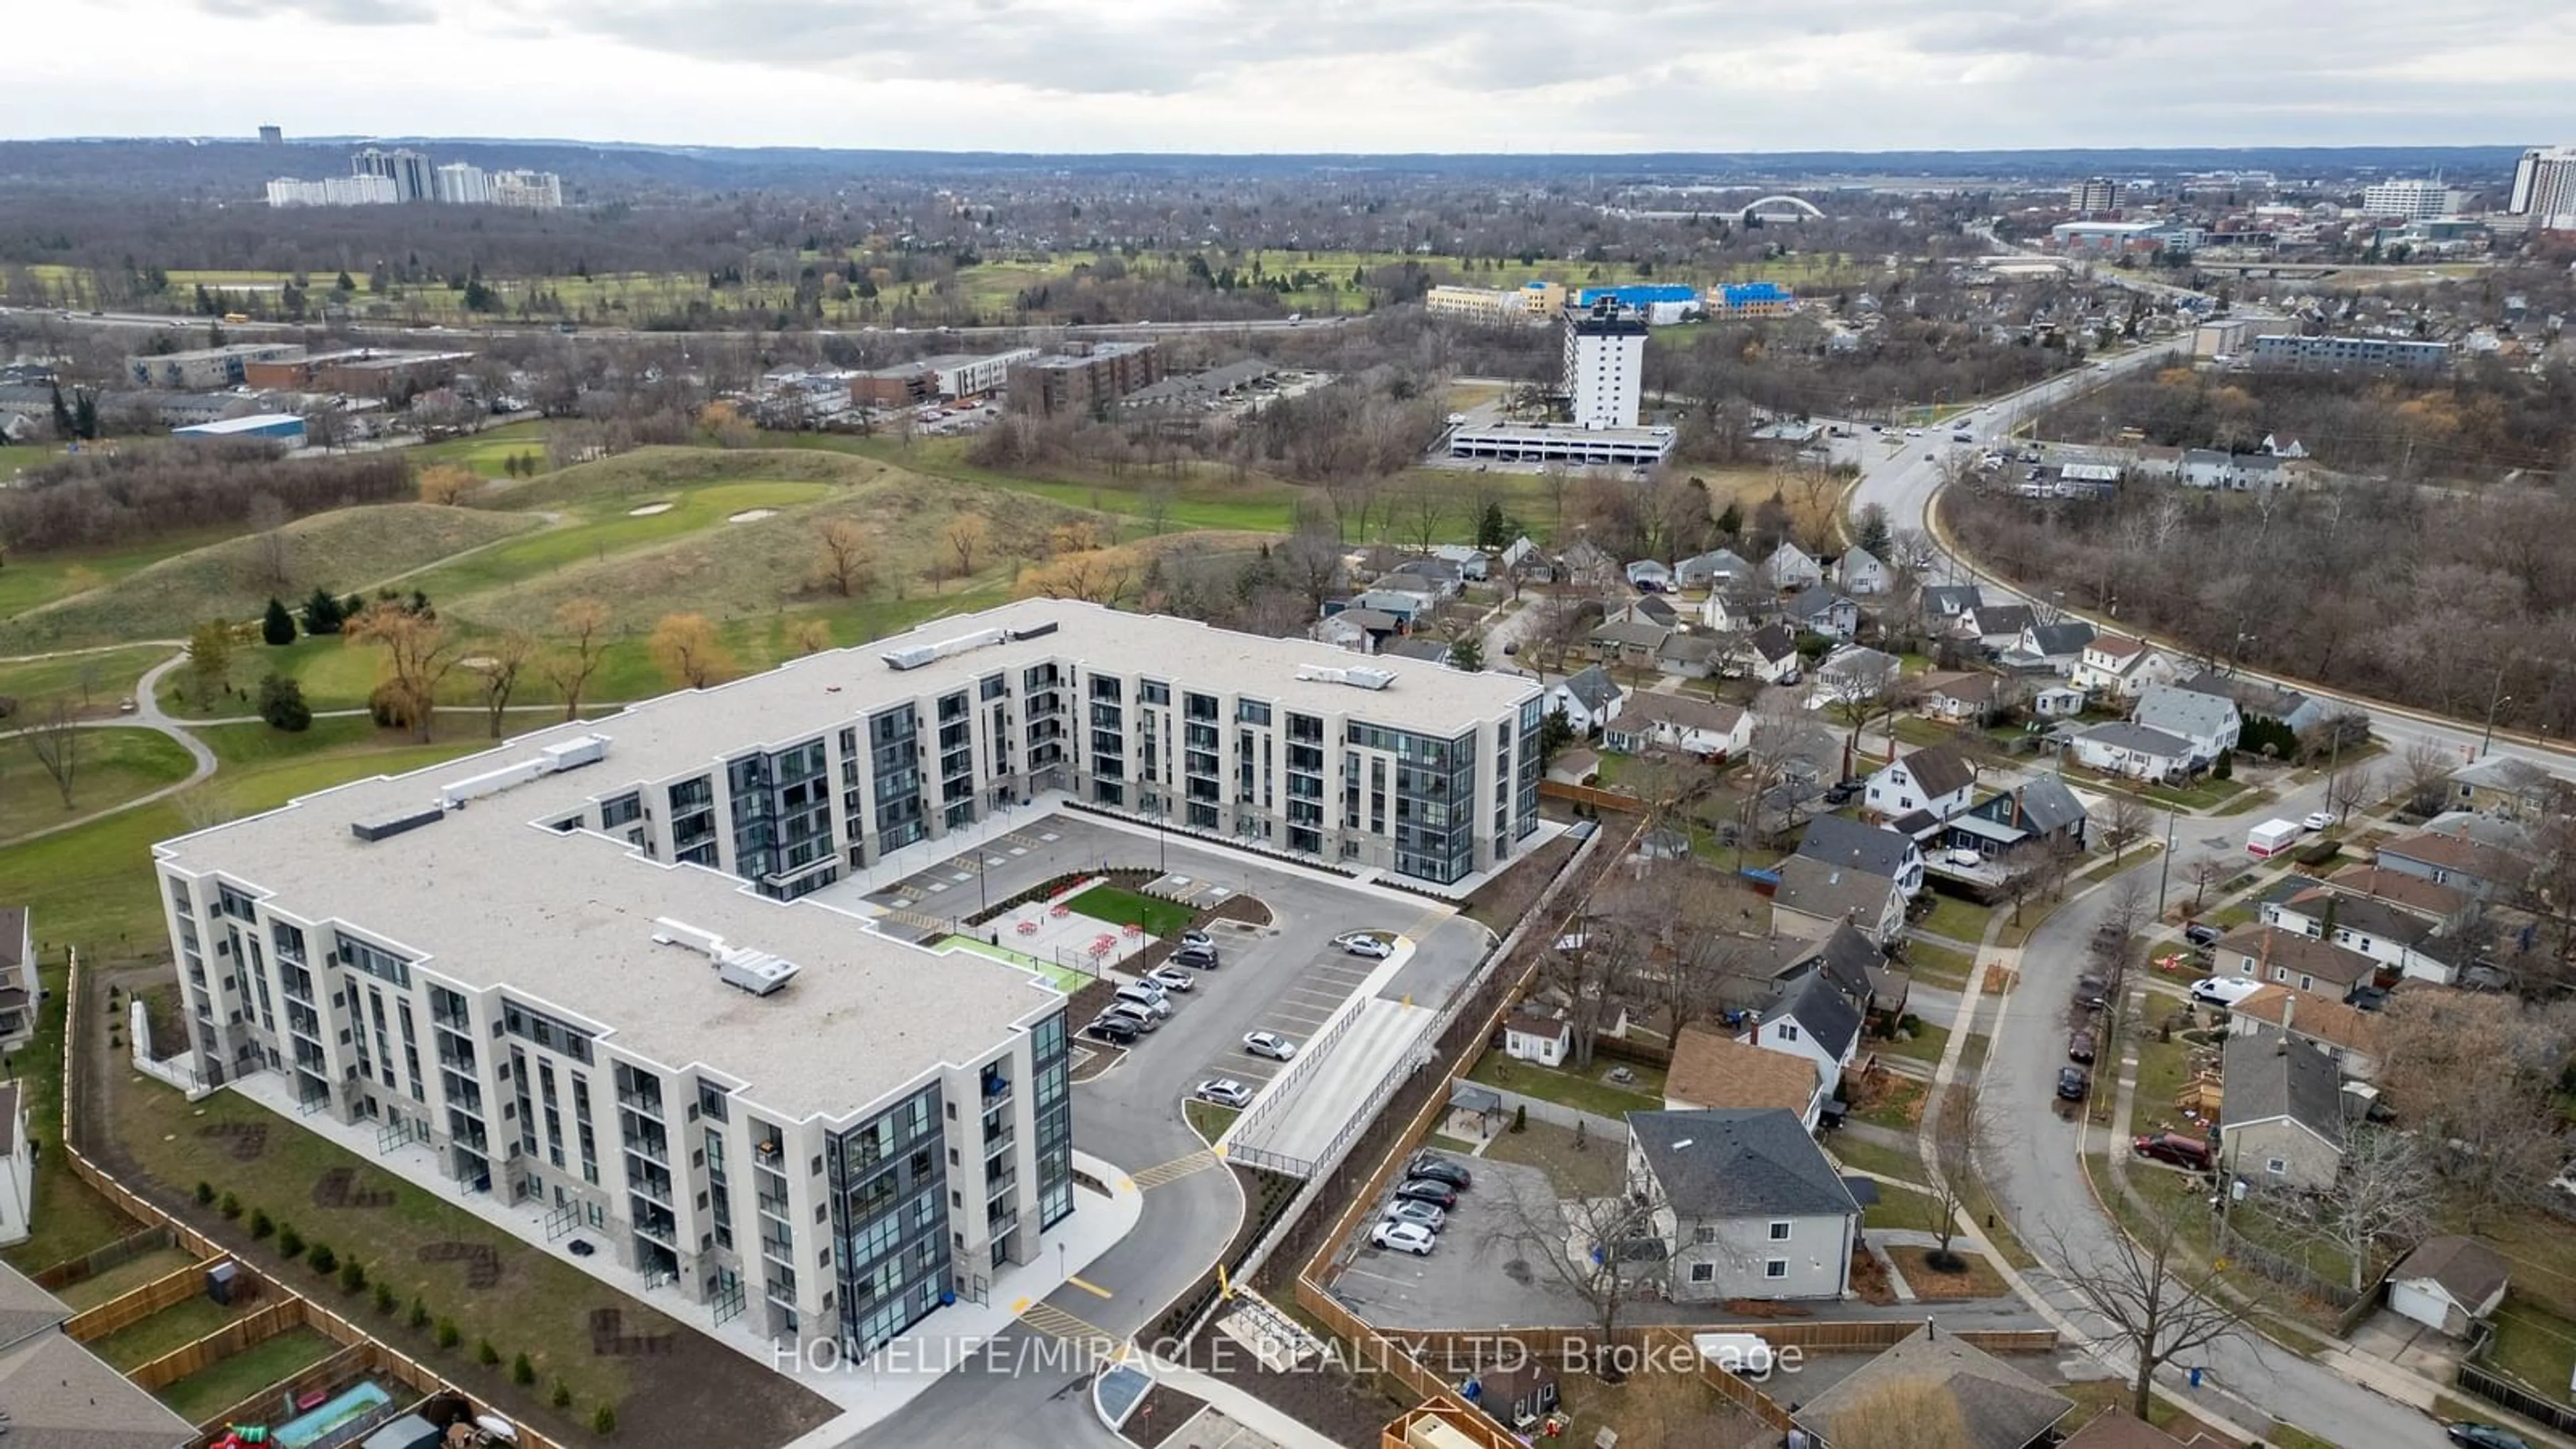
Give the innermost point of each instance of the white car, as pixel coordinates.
(1225, 1092)
(2319, 820)
(1430, 1215)
(1173, 978)
(1269, 1044)
(1196, 937)
(2224, 990)
(1399, 1237)
(1357, 943)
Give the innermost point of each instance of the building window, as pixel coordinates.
(1775, 1268)
(1704, 1234)
(1703, 1272)
(1779, 1232)
(1788, 1031)
(2278, 1166)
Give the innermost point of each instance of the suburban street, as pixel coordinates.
(2051, 1208)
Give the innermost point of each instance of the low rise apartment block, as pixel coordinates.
(1085, 380)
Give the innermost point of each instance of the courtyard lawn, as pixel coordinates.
(226, 1382)
(1583, 1091)
(2533, 1345)
(112, 766)
(1062, 978)
(1939, 966)
(1926, 1045)
(1957, 919)
(1208, 1119)
(1899, 1207)
(180, 1324)
(1160, 919)
(1870, 1157)
(1595, 1169)
(125, 1277)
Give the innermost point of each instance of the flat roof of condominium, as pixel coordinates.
(490, 894)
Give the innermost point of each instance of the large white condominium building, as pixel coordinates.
(2544, 187)
(578, 971)
(1605, 366)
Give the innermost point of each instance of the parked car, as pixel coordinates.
(2173, 1149)
(1195, 958)
(1197, 937)
(2201, 933)
(1225, 1092)
(1360, 943)
(1116, 1030)
(1418, 1212)
(1411, 1238)
(1144, 1019)
(1269, 1044)
(126, 705)
(1841, 792)
(1422, 1189)
(2091, 991)
(2224, 990)
(2073, 1084)
(1173, 978)
(2484, 1436)
(1440, 1169)
(2080, 1047)
(2318, 820)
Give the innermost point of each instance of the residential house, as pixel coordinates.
(1691, 656)
(1574, 766)
(1942, 604)
(1736, 607)
(2121, 748)
(1817, 609)
(2281, 447)
(1406, 605)
(1747, 1205)
(18, 993)
(1629, 642)
(1994, 626)
(2347, 1035)
(2056, 647)
(1589, 699)
(1646, 573)
(2281, 1114)
(1857, 966)
(2121, 667)
(2257, 700)
(2156, 462)
(1874, 848)
(1527, 562)
(2057, 702)
(1434, 576)
(1519, 1397)
(1648, 609)
(1859, 571)
(2210, 724)
(1814, 897)
(1703, 727)
(1996, 1405)
(2465, 865)
(1713, 1070)
(2503, 785)
(1707, 570)
(1360, 630)
(2439, 904)
(2033, 813)
(1589, 565)
(2449, 1284)
(58, 1393)
(1471, 562)
(1428, 650)
(2288, 958)
(1789, 567)
(1962, 696)
(1770, 655)
(2390, 935)
(1810, 1018)
(1853, 673)
(2232, 472)
(1534, 1035)
(1937, 780)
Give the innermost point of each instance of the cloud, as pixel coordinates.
(329, 12)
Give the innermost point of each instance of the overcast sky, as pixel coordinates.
(1309, 75)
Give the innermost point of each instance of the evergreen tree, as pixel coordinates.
(1492, 529)
(277, 626)
(322, 613)
(1730, 521)
(281, 703)
(85, 414)
(62, 415)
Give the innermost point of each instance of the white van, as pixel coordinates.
(1148, 997)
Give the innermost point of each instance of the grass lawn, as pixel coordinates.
(1938, 965)
(176, 1326)
(112, 766)
(1208, 1119)
(1957, 919)
(1926, 1046)
(125, 1277)
(487, 452)
(41, 579)
(1163, 919)
(93, 682)
(1597, 1169)
(1062, 978)
(2533, 1344)
(592, 534)
(1894, 1102)
(1584, 1092)
(540, 1306)
(1978, 1280)
(68, 1217)
(2134, 855)
(1914, 729)
(1900, 1208)
(1870, 1157)
(227, 1382)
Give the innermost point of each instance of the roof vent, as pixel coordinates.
(758, 972)
(395, 822)
(1361, 676)
(918, 655)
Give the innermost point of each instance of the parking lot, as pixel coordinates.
(1310, 997)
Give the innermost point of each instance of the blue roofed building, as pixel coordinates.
(1639, 295)
(1752, 299)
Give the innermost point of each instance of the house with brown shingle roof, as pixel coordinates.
(2440, 904)
(2455, 861)
(1711, 1070)
(2348, 1035)
(2288, 958)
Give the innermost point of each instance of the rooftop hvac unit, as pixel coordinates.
(491, 782)
(395, 822)
(669, 932)
(573, 754)
(1362, 676)
(921, 654)
(1036, 631)
(757, 972)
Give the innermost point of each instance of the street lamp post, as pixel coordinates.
(2164, 871)
(2487, 741)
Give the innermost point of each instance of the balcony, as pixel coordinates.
(772, 1205)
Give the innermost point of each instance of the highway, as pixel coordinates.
(162, 321)
(2052, 1209)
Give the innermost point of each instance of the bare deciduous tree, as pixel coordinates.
(849, 556)
(2423, 772)
(267, 518)
(965, 536)
(2383, 1194)
(417, 656)
(52, 735)
(2477, 1073)
(689, 651)
(2352, 786)
(1604, 1249)
(1958, 1134)
(2158, 1302)
(581, 636)
(500, 664)
(2125, 820)
(2204, 872)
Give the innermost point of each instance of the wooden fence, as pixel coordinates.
(255, 1327)
(132, 1307)
(331, 1375)
(1592, 795)
(98, 1260)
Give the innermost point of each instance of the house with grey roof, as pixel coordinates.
(2281, 1114)
(1422, 647)
(1711, 729)
(1814, 898)
(1853, 673)
(1628, 641)
(1770, 654)
(2506, 786)
(2257, 700)
(2055, 648)
(2034, 812)
(1589, 699)
(1691, 656)
(1810, 1016)
(1835, 840)
(1707, 570)
(1789, 567)
(2386, 933)
(1817, 609)
(1998, 1406)
(1936, 780)
(1995, 625)
(56, 1394)
(2121, 748)
(2449, 1284)
(1648, 573)
(1859, 571)
(1746, 1203)
(2232, 472)
(1962, 696)
(1949, 601)
(2209, 723)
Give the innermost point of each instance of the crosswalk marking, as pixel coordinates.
(1174, 1170)
(1054, 1322)
(918, 920)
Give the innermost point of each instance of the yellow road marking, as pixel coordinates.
(1093, 1289)
(1175, 1170)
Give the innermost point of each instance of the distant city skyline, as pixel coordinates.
(1235, 76)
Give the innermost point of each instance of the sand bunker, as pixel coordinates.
(753, 515)
(648, 510)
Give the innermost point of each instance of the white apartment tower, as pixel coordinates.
(611, 973)
(2544, 187)
(1605, 364)
(2412, 200)
(461, 183)
(2094, 194)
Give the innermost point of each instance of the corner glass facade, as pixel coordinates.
(1434, 787)
(1054, 1105)
(782, 820)
(889, 1213)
